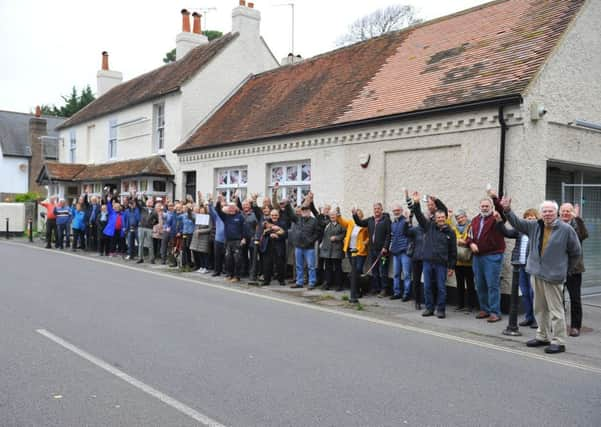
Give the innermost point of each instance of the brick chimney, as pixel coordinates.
(37, 129)
(246, 20)
(106, 79)
(186, 40)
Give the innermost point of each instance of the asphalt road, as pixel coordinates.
(243, 360)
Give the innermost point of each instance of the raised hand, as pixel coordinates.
(354, 210)
(416, 197)
(576, 210)
(506, 203)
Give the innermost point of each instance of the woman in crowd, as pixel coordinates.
(463, 270)
(200, 243)
(331, 249)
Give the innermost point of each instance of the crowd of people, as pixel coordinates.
(414, 245)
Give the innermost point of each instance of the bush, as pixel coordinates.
(27, 197)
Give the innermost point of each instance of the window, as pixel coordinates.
(143, 185)
(72, 145)
(93, 187)
(294, 179)
(159, 126)
(230, 180)
(112, 139)
(159, 186)
(190, 183)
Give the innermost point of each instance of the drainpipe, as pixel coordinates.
(502, 154)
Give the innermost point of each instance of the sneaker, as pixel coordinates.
(395, 297)
(215, 274)
(427, 313)
(440, 314)
(382, 294)
(128, 258)
(140, 261)
(459, 308)
(152, 261)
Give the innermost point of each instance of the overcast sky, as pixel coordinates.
(49, 46)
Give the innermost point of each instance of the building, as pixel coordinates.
(499, 94)
(26, 141)
(124, 139)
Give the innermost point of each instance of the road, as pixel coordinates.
(88, 343)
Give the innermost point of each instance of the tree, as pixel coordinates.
(211, 35)
(73, 103)
(380, 22)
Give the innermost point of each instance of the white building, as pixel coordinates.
(496, 94)
(138, 123)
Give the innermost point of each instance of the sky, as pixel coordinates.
(48, 47)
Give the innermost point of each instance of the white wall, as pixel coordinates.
(12, 178)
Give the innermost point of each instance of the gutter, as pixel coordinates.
(499, 101)
(504, 128)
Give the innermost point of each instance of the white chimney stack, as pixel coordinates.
(246, 20)
(187, 40)
(106, 79)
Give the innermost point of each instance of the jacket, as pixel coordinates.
(304, 232)
(109, 229)
(379, 233)
(491, 239)
(219, 226)
(561, 254)
(200, 238)
(582, 233)
(332, 249)
(101, 221)
(512, 233)
(132, 217)
(233, 224)
(185, 224)
(62, 215)
(462, 235)
(362, 236)
(49, 209)
(79, 222)
(148, 216)
(398, 236)
(278, 244)
(440, 243)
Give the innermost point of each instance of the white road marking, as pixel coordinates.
(177, 405)
(415, 329)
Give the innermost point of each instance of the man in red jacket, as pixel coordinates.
(488, 245)
(50, 221)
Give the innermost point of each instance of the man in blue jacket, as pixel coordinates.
(401, 262)
(63, 220)
(233, 222)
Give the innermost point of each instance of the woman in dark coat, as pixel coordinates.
(331, 250)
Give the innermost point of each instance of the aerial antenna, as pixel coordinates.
(291, 5)
(205, 12)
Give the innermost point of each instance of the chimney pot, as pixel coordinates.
(185, 21)
(242, 2)
(197, 27)
(38, 111)
(105, 60)
(251, 5)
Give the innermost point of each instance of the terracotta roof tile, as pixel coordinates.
(486, 52)
(151, 166)
(153, 84)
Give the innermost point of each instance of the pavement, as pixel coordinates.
(243, 355)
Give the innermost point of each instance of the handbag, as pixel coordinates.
(464, 254)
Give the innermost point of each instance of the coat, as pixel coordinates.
(332, 249)
(440, 244)
(362, 237)
(379, 233)
(200, 239)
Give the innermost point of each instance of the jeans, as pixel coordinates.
(301, 255)
(131, 242)
(435, 273)
(61, 231)
(527, 293)
(401, 262)
(232, 258)
(357, 263)
(487, 272)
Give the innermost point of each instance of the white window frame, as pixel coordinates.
(159, 126)
(112, 147)
(226, 187)
(292, 184)
(72, 146)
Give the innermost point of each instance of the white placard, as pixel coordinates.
(202, 219)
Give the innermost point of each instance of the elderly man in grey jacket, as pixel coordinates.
(554, 251)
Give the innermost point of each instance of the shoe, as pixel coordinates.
(152, 261)
(526, 322)
(427, 313)
(440, 314)
(406, 298)
(459, 308)
(537, 343)
(382, 294)
(353, 301)
(574, 332)
(264, 283)
(493, 318)
(395, 297)
(163, 262)
(215, 274)
(282, 283)
(48, 247)
(555, 348)
(534, 325)
(128, 257)
(311, 288)
(296, 286)
(234, 279)
(140, 261)
(482, 315)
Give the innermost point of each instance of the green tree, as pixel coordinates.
(73, 103)
(211, 35)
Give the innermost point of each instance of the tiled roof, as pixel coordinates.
(148, 166)
(153, 84)
(487, 52)
(14, 132)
